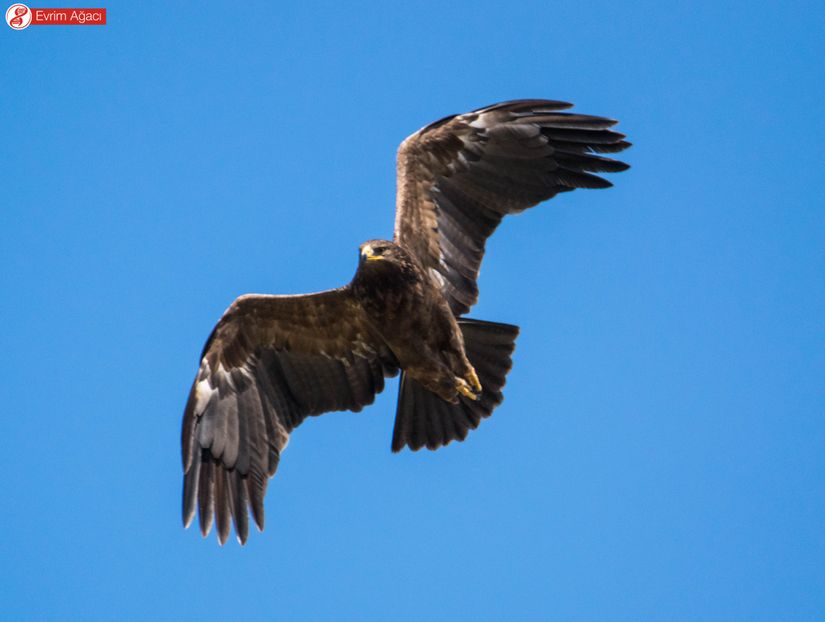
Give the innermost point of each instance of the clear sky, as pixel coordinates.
(660, 454)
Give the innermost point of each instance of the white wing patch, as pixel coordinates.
(203, 390)
(210, 381)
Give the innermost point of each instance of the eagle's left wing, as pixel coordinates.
(458, 177)
(270, 362)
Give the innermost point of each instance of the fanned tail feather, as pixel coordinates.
(423, 419)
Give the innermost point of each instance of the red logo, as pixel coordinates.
(19, 16)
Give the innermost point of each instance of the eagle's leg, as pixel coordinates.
(445, 383)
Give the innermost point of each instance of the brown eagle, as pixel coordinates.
(272, 361)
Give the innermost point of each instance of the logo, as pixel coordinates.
(19, 16)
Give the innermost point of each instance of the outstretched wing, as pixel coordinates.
(458, 177)
(270, 362)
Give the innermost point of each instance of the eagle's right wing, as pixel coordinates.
(458, 177)
(270, 362)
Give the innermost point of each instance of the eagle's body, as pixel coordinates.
(272, 361)
(406, 307)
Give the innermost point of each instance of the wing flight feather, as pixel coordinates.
(270, 362)
(458, 177)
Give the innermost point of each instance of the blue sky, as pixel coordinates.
(659, 454)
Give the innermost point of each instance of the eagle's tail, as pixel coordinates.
(425, 420)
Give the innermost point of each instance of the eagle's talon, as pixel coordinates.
(472, 378)
(465, 389)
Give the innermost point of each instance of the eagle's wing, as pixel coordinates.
(458, 177)
(270, 362)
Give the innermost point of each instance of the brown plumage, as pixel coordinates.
(272, 361)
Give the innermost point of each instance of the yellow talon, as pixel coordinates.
(473, 380)
(465, 389)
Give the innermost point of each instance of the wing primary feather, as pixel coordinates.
(256, 489)
(589, 163)
(190, 494)
(222, 511)
(588, 137)
(190, 421)
(206, 492)
(240, 513)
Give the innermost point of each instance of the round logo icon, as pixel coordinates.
(19, 16)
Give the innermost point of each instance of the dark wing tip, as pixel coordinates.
(614, 147)
(518, 105)
(189, 499)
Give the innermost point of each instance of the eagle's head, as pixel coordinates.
(385, 258)
(374, 251)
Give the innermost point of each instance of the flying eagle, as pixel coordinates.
(272, 361)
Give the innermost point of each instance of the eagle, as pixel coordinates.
(272, 360)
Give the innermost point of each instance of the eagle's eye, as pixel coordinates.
(379, 250)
